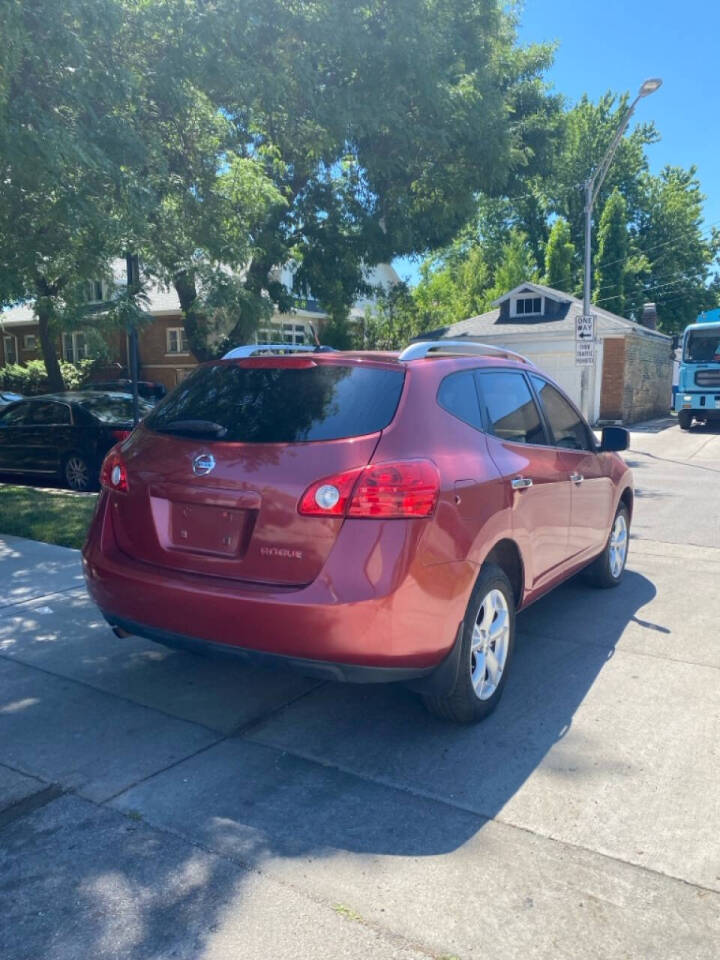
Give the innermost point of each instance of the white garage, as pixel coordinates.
(631, 377)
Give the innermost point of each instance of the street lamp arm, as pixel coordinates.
(597, 179)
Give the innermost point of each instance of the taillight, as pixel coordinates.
(405, 488)
(113, 473)
(120, 435)
(330, 496)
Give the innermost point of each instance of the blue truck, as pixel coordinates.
(698, 388)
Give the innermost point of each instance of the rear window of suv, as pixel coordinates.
(280, 404)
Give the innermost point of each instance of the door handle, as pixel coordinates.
(577, 478)
(521, 483)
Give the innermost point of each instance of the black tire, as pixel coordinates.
(600, 573)
(461, 703)
(78, 473)
(685, 419)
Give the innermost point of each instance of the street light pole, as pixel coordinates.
(592, 188)
(133, 284)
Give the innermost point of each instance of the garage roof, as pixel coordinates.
(492, 323)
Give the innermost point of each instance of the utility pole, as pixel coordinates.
(592, 188)
(132, 265)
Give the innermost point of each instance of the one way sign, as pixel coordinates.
(585, 327)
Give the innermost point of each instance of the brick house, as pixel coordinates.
(632, 376)
(164, 353)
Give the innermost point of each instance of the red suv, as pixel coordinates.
(365, 517)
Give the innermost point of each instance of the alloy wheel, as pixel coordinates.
(490, 644)
(77, 474)
(618, 545)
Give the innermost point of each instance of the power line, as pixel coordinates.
(673, 242)
(648, 290)
(652, 279)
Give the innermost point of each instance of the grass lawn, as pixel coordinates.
(54, 516)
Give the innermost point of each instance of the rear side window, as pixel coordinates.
(50, 414)
(458, 395)
(282, 404)
(114, 409)
(568, 427)
(511, 409)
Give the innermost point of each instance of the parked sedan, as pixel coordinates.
(64, 435)
(147, 389)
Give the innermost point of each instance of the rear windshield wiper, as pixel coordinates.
(194, 428)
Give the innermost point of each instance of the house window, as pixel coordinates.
(285, 333)
(74, 347)
(29, 342)
(528, 307)
(176, 340)
(11, 350)
(94, 291)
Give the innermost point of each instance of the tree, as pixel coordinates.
(559, 257)
(654, 224)
(588, 129)
(517, 266)
(248, 134)
(65, 192)
(611, 257)
(394, 321)
(678, 251)
(365, 175)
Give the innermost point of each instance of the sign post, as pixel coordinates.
(585, 340)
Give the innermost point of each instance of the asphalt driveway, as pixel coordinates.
(156, 804)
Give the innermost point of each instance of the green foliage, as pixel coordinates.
(517, 265)
(67, 192)
(31, 379)
(393, 322)
(248, 133)
(559, 257)
(612, 252)
(679, 253)
(367, 175)
(649, 240)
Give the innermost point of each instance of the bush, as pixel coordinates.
(30, 379)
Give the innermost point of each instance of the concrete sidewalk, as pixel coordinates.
(155, 804)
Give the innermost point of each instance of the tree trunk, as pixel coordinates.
(195, 318)
(43, 310)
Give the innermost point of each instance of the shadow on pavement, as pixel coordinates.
(343, 769)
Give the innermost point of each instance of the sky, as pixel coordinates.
(615, 45)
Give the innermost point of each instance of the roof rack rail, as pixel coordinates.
(425, 348)
(261, 349)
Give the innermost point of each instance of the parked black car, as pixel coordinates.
(147, 389)
(7, 397)
(64, 435)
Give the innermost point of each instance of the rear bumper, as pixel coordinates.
(323, 669)
(375, 614)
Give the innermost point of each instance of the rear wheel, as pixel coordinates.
(487, 644)
(685, 419)
(78, 474)
(608, 569)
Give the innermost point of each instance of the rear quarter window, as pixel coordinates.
(283, 403)
(458, 395)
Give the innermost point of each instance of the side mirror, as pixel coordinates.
(614, 439)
